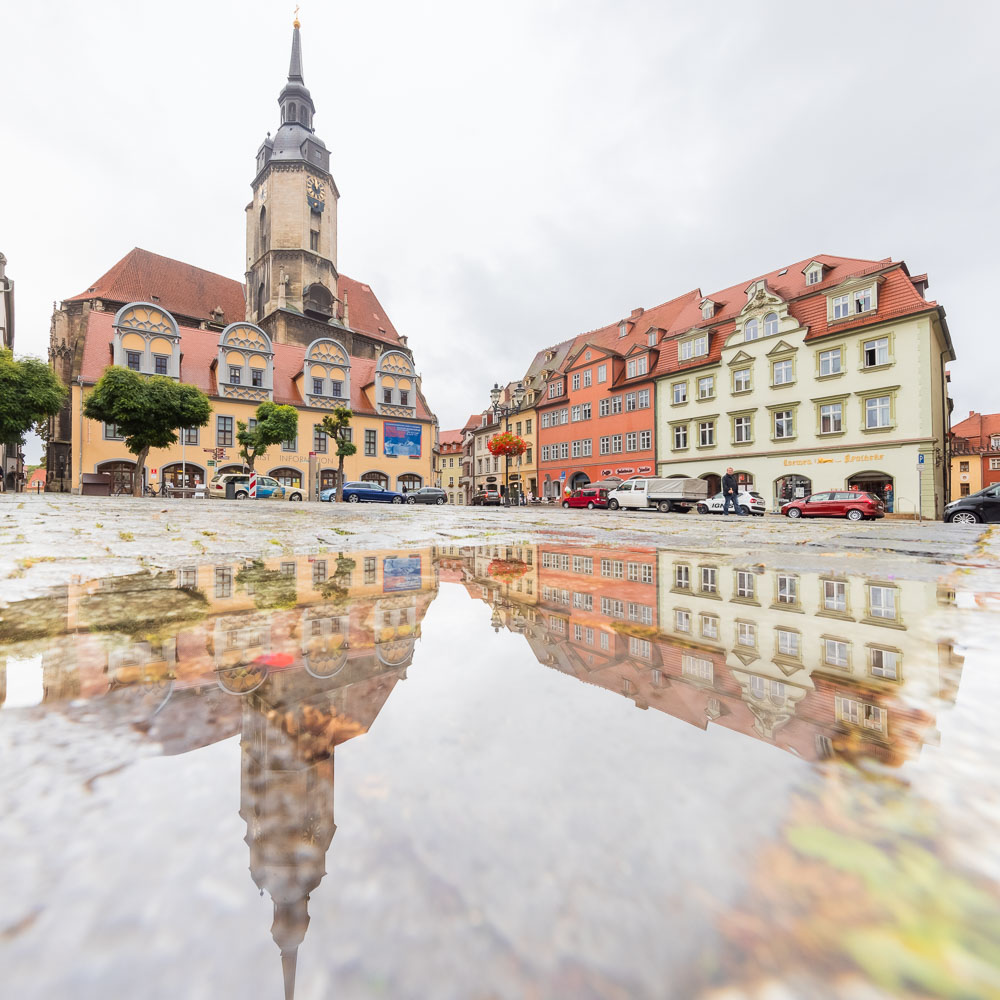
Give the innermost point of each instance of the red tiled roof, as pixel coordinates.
(450, 438)
(200, 348)
(191, 292)
(141, 276)
(977, 428)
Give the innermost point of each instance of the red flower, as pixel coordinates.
(508, 444)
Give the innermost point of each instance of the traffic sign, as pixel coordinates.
(920, 459)
(211, 461)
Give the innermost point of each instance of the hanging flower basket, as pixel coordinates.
(507, 444)
(507, 570)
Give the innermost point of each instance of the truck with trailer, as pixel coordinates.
(653, 493)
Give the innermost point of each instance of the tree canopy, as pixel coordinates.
(274, 424)
(336, 425)
(148, 410)
(30, 391)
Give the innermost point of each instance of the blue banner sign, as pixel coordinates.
(400, 574)
(401, 439)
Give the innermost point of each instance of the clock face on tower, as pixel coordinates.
(315, 195)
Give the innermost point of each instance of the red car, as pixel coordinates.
(852, 504)
(589, 498)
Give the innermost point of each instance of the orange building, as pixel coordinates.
(596, 414)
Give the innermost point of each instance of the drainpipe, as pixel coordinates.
(79, 458)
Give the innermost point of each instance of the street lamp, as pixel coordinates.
(503, 411)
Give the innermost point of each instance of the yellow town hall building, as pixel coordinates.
(298, 332)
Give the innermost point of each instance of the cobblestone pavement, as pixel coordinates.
(46, 540)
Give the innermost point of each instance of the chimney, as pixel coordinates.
(347, 321)
(637, 312)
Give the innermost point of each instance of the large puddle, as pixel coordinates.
(561, 772)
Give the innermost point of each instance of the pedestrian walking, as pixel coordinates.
(730, 493)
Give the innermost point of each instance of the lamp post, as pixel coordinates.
(503, 410)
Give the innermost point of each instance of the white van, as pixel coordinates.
(654, 493)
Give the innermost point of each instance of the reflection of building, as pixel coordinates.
(820, 664)
(299, 333)
(11, 458)
(296, 655)
(448, 465)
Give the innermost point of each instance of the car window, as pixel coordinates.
(625, 487)
(817, 497)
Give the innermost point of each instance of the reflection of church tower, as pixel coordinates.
(287, 803)
(292, 221)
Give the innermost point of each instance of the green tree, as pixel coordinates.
(275, 424)
(30, 392)
(147, 410)
(337, 426)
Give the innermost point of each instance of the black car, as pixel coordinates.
(981, 506)
(489, 497)
(427, 494)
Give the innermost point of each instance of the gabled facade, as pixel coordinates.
(975, 448)
(299, 333)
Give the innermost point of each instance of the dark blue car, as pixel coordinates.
(364, 493)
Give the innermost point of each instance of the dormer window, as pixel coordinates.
(707, 309)
(651, 338)
(751, 331)
(588, 355)
(133, 359)
(814, 273)
(234, 375)
(695, 348)
(622, 329)
(636, 366)
(863, 300)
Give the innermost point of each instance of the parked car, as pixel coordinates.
(487, 497)
(981, 506)
(268, 488)
(589, 498)
(427, 494)
(855, 505)
(364, 492)
(749, 503)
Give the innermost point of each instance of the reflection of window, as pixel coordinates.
(709, 580)
(223, 581)
(369, 570)
(682, 620)
(884, 663)
(788, 643)
(710, 626)
(746, 634)
(835, 653)
(699, 667)
(835, 595)
(882, 602)
(745, 584)
(788, 589)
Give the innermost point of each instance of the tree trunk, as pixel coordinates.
(137, 478)
(340, 479)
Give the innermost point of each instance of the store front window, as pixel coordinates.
(878, 483)
(182, 476)
(288, 477)
(792, 488)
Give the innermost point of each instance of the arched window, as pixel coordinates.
(770, 324)
(792, 488)
(262, 229)
(287, 477)
(182, 475)
(751, 330)
(291, 111)
(328, 479)
(226, 469)
(304, 115)
(376, 477)
(409, 481)
(260, 301)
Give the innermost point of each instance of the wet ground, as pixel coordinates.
(577, 755)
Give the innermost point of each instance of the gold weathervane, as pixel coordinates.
(295, 23)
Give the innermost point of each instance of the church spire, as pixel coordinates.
(295, 101)
(295, 64)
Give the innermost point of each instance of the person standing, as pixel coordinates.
(730, 493)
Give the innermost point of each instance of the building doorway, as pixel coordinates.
(875, 482)
(328, 479)
(791, 488)
(408, 482)
(578, 480)
(714, 482)
(287, 477)
(376, 477)
(122, 475)
(182, 475)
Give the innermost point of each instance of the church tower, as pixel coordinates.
(292, 222)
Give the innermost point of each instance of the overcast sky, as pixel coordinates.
(513, 174)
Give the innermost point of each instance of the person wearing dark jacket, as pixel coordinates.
(730, 493)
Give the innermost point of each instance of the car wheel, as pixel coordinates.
(964, 517)
(242, 495)
(566, 503)
(613, 504)
(397, 499)
(439, 501)
(854, 515)
(353, 498)
(590, 506)
(409, 500)
(296, 496)
(744, 509)
(795, 512)
(664, 506)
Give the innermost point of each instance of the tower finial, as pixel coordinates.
(295, 23)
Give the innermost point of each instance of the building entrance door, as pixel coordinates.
(878, 483)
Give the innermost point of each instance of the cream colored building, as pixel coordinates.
(826, 375)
